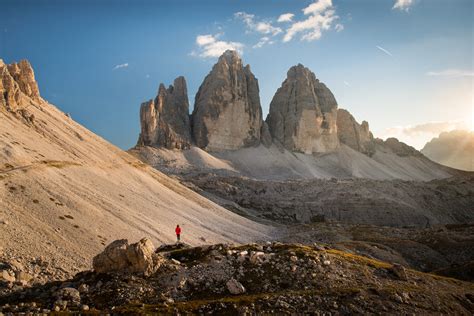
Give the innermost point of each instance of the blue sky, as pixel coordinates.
(405, 66)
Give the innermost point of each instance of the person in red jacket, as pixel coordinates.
(178, 232)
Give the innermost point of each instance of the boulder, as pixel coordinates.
(227, 113)
(303, 113)
(119, 256)
(165, 120)
(235, 287)
(68, 294)
(7, 276)
(355, 135)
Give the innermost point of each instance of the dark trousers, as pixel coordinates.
(178, 236)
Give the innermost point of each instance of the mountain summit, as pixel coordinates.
(227, 113)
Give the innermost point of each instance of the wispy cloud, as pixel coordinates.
(286, 17)
(321, 15)
(385, 51)
(403, 5)
(418, 135)
(347, 84)
(339, 27)
(263, 41)
(453, 73)
(253, 24)
(120, 66)
(210, 46)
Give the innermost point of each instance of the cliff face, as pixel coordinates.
(227, 113)
(165, 120)
(303, 113)
(18, 87)
(355, 135)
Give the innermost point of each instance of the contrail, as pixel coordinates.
(385, 51)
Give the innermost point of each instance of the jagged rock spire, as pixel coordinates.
(165, 120)
(227, 113)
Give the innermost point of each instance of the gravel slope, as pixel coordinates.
(65, 192)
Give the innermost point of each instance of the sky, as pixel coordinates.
(405, 66)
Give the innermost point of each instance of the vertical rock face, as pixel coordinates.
(227, 113)
(165, 120)
(355, 135)
(303, 113)
(17, 85)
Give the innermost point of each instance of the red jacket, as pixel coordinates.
(178, 230)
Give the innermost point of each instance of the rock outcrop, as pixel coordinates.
(355, 135)
(18, 86)
(119, 256)
(165, 120)
(227, 113)
(303, 113)
(397, 147)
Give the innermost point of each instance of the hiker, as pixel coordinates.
(178, 232)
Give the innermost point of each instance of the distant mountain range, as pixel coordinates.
(454, 149)
(305, 134)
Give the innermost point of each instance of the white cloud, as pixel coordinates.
(263, 41)
(317, 7)
(453, 73)
(263, 27)
(339, 27)
(321, 15)
(347, 84)
(418, 135)
(385, 51)
(286, 17)
(210, 46)
(121, 66)
(403, 5)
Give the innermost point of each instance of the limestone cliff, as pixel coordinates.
(18, 87)
(165, 120)
(227, 113)
(355, 135)
(303, 113)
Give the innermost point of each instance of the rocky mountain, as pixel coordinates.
(355, 135)
(165, 120)
(303, 113)
(65, 192)
(227, 114)
(454, 149)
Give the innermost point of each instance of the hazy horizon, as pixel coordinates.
(404, 66)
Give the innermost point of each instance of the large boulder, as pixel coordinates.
(227, 113)
(303, 113)
(355, 135)
(165, 120)
(18, 87)
(119, 256)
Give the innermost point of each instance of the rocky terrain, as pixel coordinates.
(245, 279)
(454, 149)
(356, 201)
(65, 192)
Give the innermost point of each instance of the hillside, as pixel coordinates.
(65, 192)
